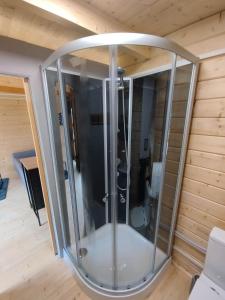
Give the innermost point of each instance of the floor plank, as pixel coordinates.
(29, 269)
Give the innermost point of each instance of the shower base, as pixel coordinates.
(134, 256)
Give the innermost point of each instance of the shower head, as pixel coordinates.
(120, 72)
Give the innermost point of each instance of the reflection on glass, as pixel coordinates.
(86, 120)
(150, 99)
(54, 96)
(179, 107)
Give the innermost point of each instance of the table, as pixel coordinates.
(33, 184)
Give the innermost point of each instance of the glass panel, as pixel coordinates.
(148, 128)
(179, 107)
(83, 87)
(61, 159)
(141, 125)
(110, 133)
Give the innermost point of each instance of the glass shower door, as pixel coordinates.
(118, 153)
(114, 139)
(81, 116)
(136, 239)
(174, 160)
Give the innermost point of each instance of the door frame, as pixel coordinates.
(40, 164)
(25, 82)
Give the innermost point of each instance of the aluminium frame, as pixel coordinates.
(114, 39)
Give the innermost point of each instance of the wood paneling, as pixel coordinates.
(205, 175)
(51, 23)
(207, 143)
(11, 85)
(205, 205)
(157, 16)
(184, 247)
(200, 216)
(209, 126)
(206, 160)
(15, 130)
(202, 200)
(181, 89)
(173, 153)
(210, 108)
(212, 68)
(11, 81)
(187, 262)
(204, 190)
(193, 227)
(212, 88)
(205, 36)
(192, 236)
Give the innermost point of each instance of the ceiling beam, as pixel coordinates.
(87, 17)
(31, 25)
(24, 22)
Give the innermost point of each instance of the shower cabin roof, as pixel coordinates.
(122, 38)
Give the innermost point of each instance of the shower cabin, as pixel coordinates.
(119, 108)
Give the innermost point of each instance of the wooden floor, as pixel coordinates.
(30, 271)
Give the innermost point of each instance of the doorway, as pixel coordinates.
(20, 152)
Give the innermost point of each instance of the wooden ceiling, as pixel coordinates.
(51, 23)
(159, 17)
(27, 23)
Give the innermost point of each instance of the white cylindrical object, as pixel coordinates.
(214, 267)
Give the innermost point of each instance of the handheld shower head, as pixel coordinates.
(120, 72)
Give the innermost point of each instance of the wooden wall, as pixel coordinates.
(15, 131)
(202, 202)
(181, 88)
(200, 38)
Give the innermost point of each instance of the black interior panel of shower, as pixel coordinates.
(88, 114)
(148, 125)
(91, 149)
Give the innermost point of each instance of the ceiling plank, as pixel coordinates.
(202, 37)
(30, 25)
(93, 20)
(159, 17)
(38, 27)
(79, 14)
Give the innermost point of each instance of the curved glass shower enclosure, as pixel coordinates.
(119, 109)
